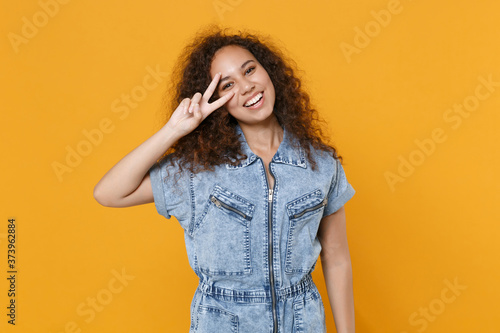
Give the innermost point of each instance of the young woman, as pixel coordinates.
(244, 169)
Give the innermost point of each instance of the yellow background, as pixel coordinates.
(407, 241)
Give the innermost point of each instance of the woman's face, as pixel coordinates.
(245, 76)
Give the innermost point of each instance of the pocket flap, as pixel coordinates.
(229, 201)
(306, 203)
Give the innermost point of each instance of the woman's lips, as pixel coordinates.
(259, 103)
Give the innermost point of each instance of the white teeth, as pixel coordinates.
(253, 100)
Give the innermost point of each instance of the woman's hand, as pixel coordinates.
(127, 183)
(192, 111)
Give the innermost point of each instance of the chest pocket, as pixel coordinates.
(303, 248)
(222, 236)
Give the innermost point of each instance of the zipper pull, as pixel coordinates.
(270, 195)
(215, 201)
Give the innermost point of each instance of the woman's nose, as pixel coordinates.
(246, 86)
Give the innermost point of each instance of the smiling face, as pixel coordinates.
(254, 94)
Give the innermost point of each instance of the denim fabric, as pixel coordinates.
(254, 256)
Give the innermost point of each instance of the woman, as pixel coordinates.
(244, 169)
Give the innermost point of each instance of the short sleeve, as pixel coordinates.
(340, 191)
(171, 190)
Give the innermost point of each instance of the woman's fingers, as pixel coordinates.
(211, 87)
(201, 101)
(197, 112)
(221, 101)
(195, 100)
(185, 105)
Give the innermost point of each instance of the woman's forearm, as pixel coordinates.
(130, 172)
(126, 175)
(338, 279)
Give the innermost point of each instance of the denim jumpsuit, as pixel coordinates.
(254, 247)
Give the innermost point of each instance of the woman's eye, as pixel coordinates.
(251, 68)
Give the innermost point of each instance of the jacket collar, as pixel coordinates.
(286, 153)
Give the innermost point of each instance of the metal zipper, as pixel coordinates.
(219, 203)
(321, 204)
(270, 247)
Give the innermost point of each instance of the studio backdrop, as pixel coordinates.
(410, 90)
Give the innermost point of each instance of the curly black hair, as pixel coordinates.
(215, 141)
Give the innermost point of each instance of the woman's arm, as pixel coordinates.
(127, 183)
(337, 269)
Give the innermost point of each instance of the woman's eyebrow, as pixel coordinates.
(242, 66)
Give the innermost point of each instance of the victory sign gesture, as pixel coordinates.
(192, 111)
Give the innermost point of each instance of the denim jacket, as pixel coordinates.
(253, 247)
